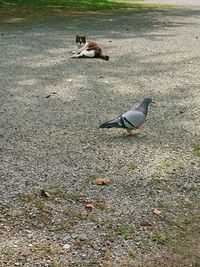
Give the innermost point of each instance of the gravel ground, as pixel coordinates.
(189, 3)
(51, 107)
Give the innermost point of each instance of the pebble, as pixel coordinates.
(67, 246)
(67, 237)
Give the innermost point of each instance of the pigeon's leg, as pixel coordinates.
(134, 133)
(141, 127)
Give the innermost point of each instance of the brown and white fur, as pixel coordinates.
(88, 49)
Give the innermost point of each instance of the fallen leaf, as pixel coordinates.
(145, 223)
(152, 233)
(156, 211)
(102, 181)
(89, 207)
(45, 193)
(47, 96)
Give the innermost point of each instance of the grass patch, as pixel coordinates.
(196, 147)
(59, 225)
(46, 248)
(177, 223)
(92, 5)
(92, 177)
(132, 166)
(57, 264)
(196, 151)
(75, 215)
(126, 230)
(62, 195)
(196, 154)
(33, 202)
(159, 237)
(9, 253)
(184, 249)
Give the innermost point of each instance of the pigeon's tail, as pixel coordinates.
(111, 124)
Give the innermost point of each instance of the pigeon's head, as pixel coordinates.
(144, 105)
(147, 100)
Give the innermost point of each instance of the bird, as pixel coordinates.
(132, 119)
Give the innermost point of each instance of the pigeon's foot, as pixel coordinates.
(141, 127)
(135, 133)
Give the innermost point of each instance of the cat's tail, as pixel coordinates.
(104, 56)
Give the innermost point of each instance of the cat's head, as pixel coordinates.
(80, 40)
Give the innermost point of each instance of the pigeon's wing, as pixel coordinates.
(133, 118)
(115, 123)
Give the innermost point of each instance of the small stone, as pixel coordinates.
(66, 246)
(74, 236)
(82, 237)
(67, 237)
(30, 235)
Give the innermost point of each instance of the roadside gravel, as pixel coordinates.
(51, 107)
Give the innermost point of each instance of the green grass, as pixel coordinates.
(132, 166)
(126, 230)
(196, 151)
(57, 264)
(77, 4)
(160, 238)
(9, 253)
(196, 147)
(196, 154)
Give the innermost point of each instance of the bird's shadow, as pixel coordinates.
(127, 138)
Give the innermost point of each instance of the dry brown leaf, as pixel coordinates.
(145, 223)
(156, 211)
(45, 194)
(152, 233)
(102, 181)
(89, 207)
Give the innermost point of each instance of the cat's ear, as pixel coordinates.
(77, 38)
(84, 39)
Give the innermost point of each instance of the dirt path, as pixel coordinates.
(51, 107)
(174, 2)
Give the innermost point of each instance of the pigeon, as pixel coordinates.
(132, 119)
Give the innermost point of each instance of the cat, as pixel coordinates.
(88, 49)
